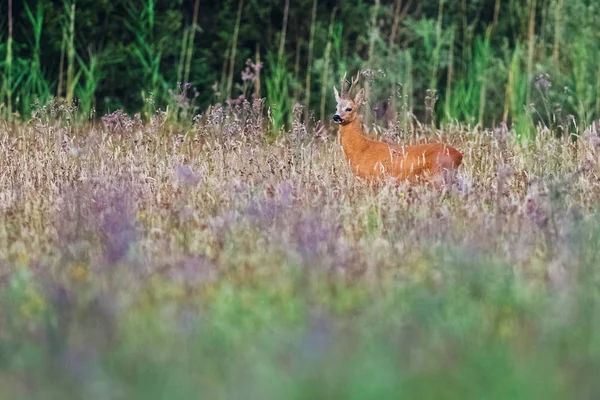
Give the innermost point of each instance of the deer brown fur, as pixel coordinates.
(373, 160)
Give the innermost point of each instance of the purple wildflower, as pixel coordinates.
(316, 238)
(118, 227)
(222, 224)
(463, 186)
(255, 67)
(247, 75)
(186, 175)
(264, 211)
(543, 82)
(536, 207)
(193, 269)
(286, 193)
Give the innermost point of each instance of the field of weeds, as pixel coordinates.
(141, 260)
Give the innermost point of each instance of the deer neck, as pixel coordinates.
(352, 139)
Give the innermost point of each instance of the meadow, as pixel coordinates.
(177, 219)
(142, 259)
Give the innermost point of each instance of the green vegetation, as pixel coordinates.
(481, 57)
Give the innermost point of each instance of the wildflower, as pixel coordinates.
(264, 211)
(119, 121)
(587, 165)
(247, 75)
(114, 209)
(536, 207)
(505, 171)
(298, 126)
(254, 67)
(185, 175)
(543, 82)
(367, 73)
(286, 193)
(463, 186)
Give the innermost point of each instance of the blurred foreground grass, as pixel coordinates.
(141, 261)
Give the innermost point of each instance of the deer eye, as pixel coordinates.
(348, 109)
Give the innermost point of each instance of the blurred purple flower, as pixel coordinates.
(222, 224)
(286, 194)
(317, 241)
(254, 67)
(186, 175)
(543, 82)
(193, 269)
(117, 225)
(264, 211)
(535, 207)
(247, 75)
(311, 234)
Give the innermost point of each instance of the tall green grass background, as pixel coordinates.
(481, 57)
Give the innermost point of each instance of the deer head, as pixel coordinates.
(347, 108)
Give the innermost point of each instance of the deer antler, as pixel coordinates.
(355, 80)
(343, 87)
(345, 92)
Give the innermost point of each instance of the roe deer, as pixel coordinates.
(372, 160)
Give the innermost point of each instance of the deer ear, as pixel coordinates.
(360, 96)
(337, 95)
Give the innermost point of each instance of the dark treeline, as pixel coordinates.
(467, 60)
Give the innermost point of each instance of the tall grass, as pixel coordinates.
(334, 33)
(190, 43)
(69, 29)
(311, 43)
(516, 94)
(148, 51)
(36, 88)
(278, 95)
(138, 263)
(8, 85)
(92, 74)
(478, 70)
(234, 48)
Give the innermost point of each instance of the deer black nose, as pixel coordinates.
(337, 118)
